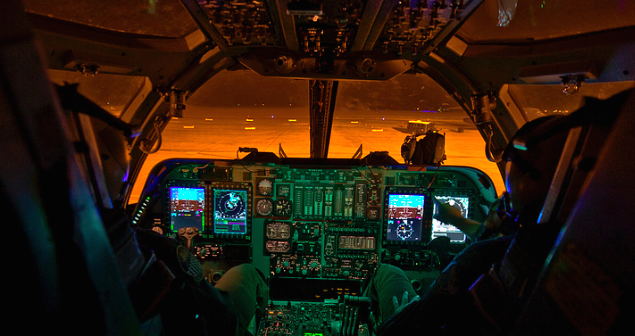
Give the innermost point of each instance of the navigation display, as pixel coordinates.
(230, 211)
(440, 229)
(187, 207)
(405, 217)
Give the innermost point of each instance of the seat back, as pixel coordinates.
(61, 270)
(586, 285)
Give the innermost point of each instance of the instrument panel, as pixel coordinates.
(324, 226)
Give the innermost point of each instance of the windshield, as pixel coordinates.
(243, 109)
(114, 93)
(537, 101)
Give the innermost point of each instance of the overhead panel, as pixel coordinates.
(333, 39)
(241, 23)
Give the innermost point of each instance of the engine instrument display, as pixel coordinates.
(440, 229)
(230, 211)
(187, 207)
(356, 243)
(405, 217)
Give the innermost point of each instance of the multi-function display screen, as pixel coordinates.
(405, 217)
(230, 211)
(440, 229)
(187, 207)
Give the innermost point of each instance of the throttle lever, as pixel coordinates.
(187, 234)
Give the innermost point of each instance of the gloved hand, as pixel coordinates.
(404, 302)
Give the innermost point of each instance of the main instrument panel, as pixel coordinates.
(316, 230)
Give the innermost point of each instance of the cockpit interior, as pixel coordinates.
(313, 139)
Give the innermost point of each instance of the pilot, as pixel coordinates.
(388, 276)
(165, 282)
(190, 305)
(448, 305)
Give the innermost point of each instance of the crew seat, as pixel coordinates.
(587, 284)
(61, 275)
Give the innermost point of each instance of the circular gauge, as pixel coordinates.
(373, 198)
(264, 207)
(404, 231)
(230, 205)
(265, 187)
(458, 205)
(283, 208)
